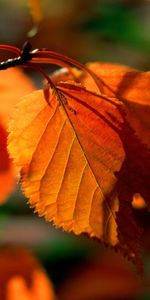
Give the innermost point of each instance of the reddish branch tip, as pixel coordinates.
(28, 58)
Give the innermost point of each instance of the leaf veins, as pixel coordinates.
(82, 170)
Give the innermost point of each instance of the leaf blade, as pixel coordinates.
(68, 204)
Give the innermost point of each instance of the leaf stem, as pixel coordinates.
(45, 60)
(61, 57)
(11, 49)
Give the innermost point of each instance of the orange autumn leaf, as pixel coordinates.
(132, 88)
(55, 168)
(9, 97)
(7, 179)
(14, 84)
(22, 275)
(78, 163)
(128, 85)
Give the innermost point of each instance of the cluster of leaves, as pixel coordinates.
(84, 156)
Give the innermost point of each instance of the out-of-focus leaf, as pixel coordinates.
(13, 85)
(23, 277)
(35, 7)
(7, 173)
(108, 279)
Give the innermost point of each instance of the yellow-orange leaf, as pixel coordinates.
(129, 85)
(68, 163)
(81, 161)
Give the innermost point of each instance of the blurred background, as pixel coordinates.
(87, 30)
(106, 30)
